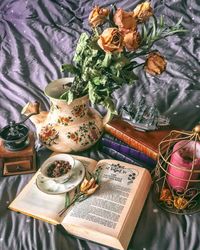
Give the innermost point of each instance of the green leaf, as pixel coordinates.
(91, 92)
(117, 79)
(130, 77)
(108, 103)
(179, 22)
(64, 96)
(155, 25)
(69, 68)
(70, 97)
(94, 52)
(81, 47)
(144, 32)
(67, 200)
(161, 21)
(107, 60)
(100, 80)
(174, 32)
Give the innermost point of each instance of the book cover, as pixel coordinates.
(146, 142)
(110, 142)
(108, 216)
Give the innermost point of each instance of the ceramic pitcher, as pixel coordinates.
(66, 127)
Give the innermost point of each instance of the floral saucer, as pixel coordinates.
(51, 187)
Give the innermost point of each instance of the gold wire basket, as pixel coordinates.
(176, 186)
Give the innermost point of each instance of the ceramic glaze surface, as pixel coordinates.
(67, 127)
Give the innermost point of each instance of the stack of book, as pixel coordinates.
(123, 152)
(123, 142)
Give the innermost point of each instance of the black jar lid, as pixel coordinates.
(15, 136)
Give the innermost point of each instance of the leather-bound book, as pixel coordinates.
(146, 142)
(122, 152)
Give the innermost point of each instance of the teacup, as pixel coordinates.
(51, 160)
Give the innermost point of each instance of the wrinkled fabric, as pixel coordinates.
(36, 37)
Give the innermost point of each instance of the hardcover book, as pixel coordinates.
(146, 142)
(108, 216)
(121, 151)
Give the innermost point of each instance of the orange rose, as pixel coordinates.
(124, 20)
(98, 16)
(132, 40)
(142, 12)
(155, 63)
(111, 40)
(166, 196)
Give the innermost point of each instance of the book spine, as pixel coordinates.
(118, 156)
(111, 137)
(131, 142)
(128, 151)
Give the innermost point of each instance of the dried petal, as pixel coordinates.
(165, 193)
(143, 11)
(98, 16)
(155, 63)
(124, 20)
(180, 203)
(92, 190)
(132, 40)
(111, 40)
(86, 185)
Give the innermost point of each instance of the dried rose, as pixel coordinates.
(111, 40)
(98, 16)
(142, 12)
(180, 203)
(132, 40)
(124, 20)
(88, 186)
(155, 63)
(165, 195)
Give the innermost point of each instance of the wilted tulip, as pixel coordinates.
(98, 16)
(111, 40)
(143, 11)
(155, 63)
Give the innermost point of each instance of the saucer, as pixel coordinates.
(51, 187)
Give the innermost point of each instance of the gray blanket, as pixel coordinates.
(36, 37)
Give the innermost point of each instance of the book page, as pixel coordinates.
(106, 210)
(33, 202)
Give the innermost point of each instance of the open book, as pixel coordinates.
(108, 216)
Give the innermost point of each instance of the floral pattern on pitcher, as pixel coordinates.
(65, 120)
(87, 133)
(48, 135)
(79, 110)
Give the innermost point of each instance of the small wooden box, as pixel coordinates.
(18, 162)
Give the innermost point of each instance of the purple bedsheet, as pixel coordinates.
(36, 37)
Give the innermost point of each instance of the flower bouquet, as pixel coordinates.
(105, 59)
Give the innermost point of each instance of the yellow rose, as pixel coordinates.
(111, 40)
(155, 63)
(142, 12)
(132, 40)
(124, 20)
(98, 16)
(180, 202)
